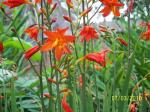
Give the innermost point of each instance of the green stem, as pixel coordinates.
(96, 88)
(41, 64)
(83, 91)
(58, 102)
(129, 70)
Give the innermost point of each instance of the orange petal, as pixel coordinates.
(116, 11)
(49, 46)
(106, 11)
(58, 53)
(65, 105)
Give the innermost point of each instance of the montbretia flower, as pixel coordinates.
(69, 3)
(37, 1)
(147, 25)
(122, 41)
(58, 41)
(15, 3)
(65, 73)
(53, 8)
(67, 19)
(97, 67)
(47, 95)
(65, 90)
(85, 12)
(88, 33)
(146, 35)
(65, 105)
(98, 57)
(80, 81)
(103, 28)
(33, 32)
(31, 52)
(1, 97)
(49, 1)
(42, 11)
(1, 47)
(133, 107)
(51, 80)
(111, 6)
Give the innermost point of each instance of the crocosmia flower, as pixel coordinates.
(58, 41)
(111, 6)
(47, 95)
(31, 52)
(49, 1)
(122, 41)
(65, 105)
(85, 12)
(67, 18)
(1, 97)
(88, 33)
(80, 81)
(33, 32)
(15, 3)
(69, 3)
(1, 47)
(37, 1)
(146, 34)
(98, 57)
(133, 107)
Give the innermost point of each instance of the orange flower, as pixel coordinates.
(67, 19)
(1, 97)
(97, 67)
(65, 105)
(33, 32)
(133, 107)
(49, 1)
(52, 80)
(1, 47)
(103, 28)
(99, 58)
(42, 10)
(65, 90)
(147, 25)
(122, 41)
(86, 11)
(58, 41)
(31, 52)
(111, 5)
(69, 3)
(15, 3)
(65, 73)
(47, 95)
(53, 8)
(80, 81)
(37, 1)
(146, 35)
(88, 32)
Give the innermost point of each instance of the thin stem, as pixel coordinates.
(83, 91)
(129, 69)
(95, 80)
(94, 13)
(58, 102)
(41, 64)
